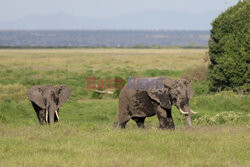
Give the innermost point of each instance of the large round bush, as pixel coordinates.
(229, 49)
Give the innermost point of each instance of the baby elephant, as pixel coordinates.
(145, 97)
(46, 100)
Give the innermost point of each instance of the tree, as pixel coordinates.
(229, 49)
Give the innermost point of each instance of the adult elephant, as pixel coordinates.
(146, 97)
(46, 100)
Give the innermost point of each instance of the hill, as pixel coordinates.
(146, 20)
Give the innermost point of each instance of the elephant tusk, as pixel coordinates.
(57, 115)
(183, 112)
(46, 113)
(193, 112)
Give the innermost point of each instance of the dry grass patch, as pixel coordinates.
(79, 59)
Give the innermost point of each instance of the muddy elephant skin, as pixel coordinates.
(154, 96)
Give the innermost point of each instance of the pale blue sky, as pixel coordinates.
(11, 10)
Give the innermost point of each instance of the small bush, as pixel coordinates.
(96, 95)
(200, 88)
(116, 93)
(118, 87)
(196, 74)
(226, 94)
(229, 117)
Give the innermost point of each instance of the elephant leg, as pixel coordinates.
(162, 117)
(139, 121)
(123, 119)
(170, 121)
(165, 118)
(123, 124)
(123, 113)
(42, 117)
(40, 113)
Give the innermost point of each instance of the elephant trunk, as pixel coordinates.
(51, 116)
(187, 112)
(188, 120)
(52, 110)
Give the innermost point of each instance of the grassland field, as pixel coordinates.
(85, 137)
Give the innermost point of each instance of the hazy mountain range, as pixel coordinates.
(146, 20)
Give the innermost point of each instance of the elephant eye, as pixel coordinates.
(53, 96)
(184, 100)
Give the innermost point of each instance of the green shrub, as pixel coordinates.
(229, 49)
(196, 74)
(229, 117)
(96, 95)
(200, 88)
(118, 90)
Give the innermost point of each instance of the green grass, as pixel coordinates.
(85, 137)
(64, 145)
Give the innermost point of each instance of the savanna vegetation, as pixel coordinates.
(85, 137)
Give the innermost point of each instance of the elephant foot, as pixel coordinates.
(140, 125)
(167, 128)
(42, 122)
(139, 121)
(170, 128)
(123, 125)
(170, 124)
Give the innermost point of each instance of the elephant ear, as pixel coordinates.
(161, 96)
(35, 94)
(64, 93)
